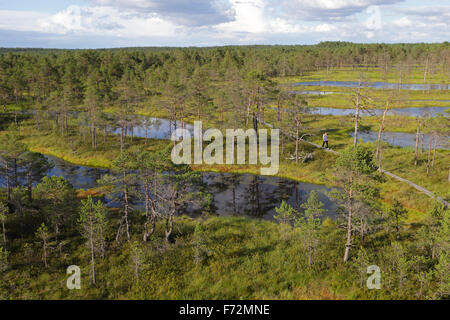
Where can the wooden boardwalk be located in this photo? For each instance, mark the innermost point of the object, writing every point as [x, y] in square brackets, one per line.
[390, 174]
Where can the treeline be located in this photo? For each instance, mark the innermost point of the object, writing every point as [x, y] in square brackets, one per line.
[36, 73]
[182, 81]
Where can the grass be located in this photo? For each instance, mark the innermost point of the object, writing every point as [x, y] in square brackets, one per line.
[74, 149]
[398, 160]
[342, 97]
[415, 75]
[237, 259]
[344, 100]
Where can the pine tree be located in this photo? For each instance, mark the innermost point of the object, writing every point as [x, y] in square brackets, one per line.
[92, 221]
[356, 174]
[3, 214]
[396, 214]
[43, 235]
[309, 224]
[57, 198]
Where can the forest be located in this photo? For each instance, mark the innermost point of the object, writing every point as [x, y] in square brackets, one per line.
[86, 176]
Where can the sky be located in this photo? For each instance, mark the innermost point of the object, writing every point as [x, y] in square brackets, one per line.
[127, 23]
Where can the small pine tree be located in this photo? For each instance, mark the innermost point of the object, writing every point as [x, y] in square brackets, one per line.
[3, 213]
[286, 217]
[286, 214]
[137, 258]
[441, 275]
[43, 235]
[397, 213]
[200, 244]
[309, 224]
[92, 221]
[3, 259]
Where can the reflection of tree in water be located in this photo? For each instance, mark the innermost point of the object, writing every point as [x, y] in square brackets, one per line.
[79, 176]
[260, 196]
[221, 183]
[288, 191]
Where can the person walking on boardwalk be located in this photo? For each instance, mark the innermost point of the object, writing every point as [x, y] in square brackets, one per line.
[325, 139]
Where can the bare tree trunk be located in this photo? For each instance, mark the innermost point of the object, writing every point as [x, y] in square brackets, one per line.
[8, 184]
[380, 131]
[94, 135]
[15, 172]
[146, 132]
[4, 232]
[169, 226]
[348, 243]
[296, 145]
[91, 236]
[29, 185]
[147, 209]
[355, 140]
[248, 114]
[425, 75]
[429, 156]
[422, 140]
[416, 154]
[121, 139]
[126, 207]
[436, 139]
[45, 252]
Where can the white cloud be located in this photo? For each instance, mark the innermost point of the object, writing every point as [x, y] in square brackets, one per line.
[329, 9]
[216, 22]
[106, 20]
[403, 22]
[251, 17]
[29, 21]
[325, 27]
[182, 12]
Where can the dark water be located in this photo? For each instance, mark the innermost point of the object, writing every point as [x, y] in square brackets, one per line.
[81, 177]
[403, 139]
[157, 128]
[254, 196]
[377, 85]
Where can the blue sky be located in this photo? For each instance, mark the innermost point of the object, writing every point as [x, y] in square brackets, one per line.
[118, 23]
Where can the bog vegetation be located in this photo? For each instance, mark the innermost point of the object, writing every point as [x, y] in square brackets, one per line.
[85, 105]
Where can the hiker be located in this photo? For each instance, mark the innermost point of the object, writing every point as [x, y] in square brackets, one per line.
[325, 139]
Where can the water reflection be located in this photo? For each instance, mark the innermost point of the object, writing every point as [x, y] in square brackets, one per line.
[258, 196]
[377, 85]
[411, 112]
[403, 139]
[232, 194]
[314, 92]
[81, 177]
[154, 128]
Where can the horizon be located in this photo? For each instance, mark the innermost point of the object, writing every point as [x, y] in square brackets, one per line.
[225, 46]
